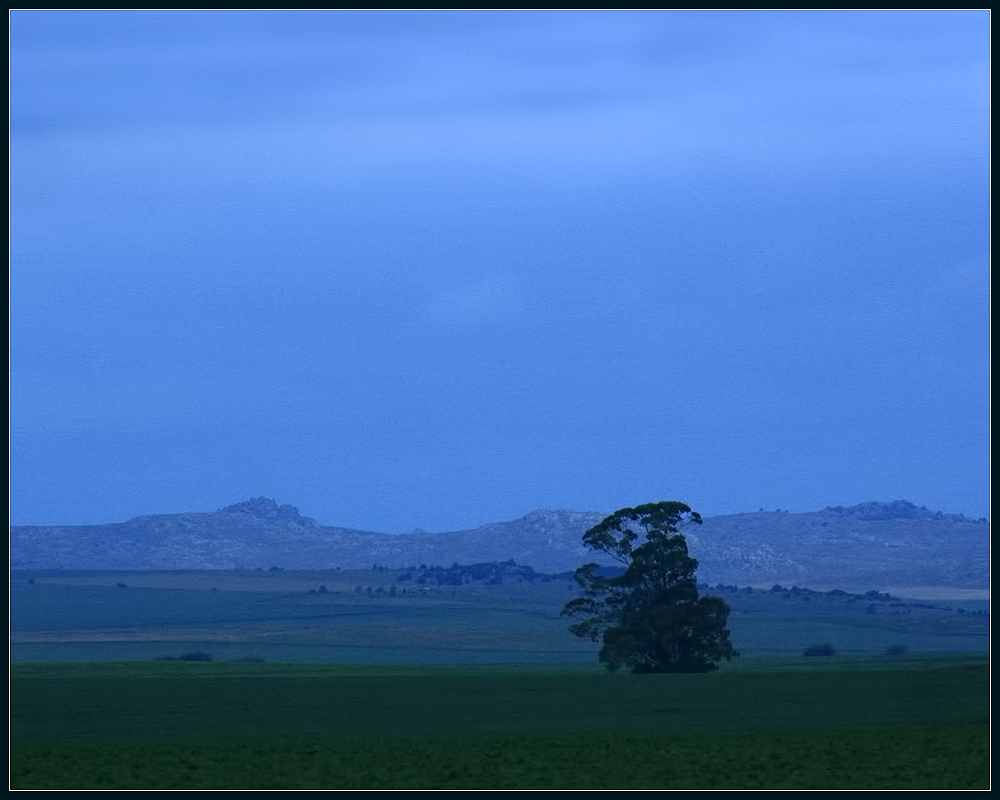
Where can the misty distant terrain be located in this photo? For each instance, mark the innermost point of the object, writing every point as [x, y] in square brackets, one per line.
[868, 546]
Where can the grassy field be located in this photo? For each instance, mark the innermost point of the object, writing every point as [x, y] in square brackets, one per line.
[104, 712]
[841, 723]
[407, 616]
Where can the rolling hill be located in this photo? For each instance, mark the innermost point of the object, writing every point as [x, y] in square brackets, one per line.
[868, 546]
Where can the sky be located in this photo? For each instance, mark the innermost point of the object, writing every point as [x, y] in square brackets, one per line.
[439, 269]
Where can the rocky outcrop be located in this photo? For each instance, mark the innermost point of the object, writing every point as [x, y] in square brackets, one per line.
[265, 508]
[869, 546]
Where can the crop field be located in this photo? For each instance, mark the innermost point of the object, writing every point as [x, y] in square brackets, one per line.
[468, 678]
[455, 616]
[866, 722]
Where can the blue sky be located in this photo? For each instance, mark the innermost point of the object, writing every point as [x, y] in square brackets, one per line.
[437, 269]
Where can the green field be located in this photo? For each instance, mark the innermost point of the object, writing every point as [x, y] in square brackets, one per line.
[920, 722]
[436, 679]
[407, 616]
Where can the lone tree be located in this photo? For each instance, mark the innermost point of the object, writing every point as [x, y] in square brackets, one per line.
[650, 617]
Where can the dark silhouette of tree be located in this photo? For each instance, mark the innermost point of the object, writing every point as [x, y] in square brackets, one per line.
[650, 617]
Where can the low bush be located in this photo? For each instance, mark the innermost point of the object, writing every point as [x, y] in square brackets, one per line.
[199, 656]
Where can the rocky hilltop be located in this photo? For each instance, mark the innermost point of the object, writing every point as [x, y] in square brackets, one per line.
[868, 546]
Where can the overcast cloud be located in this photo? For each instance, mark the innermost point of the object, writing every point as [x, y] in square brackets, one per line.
[437, 269]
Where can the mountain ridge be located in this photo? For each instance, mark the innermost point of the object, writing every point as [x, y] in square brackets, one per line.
[870, 545]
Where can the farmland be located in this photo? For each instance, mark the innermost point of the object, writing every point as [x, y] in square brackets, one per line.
[453, 616]
[467, 677]
[862, 723]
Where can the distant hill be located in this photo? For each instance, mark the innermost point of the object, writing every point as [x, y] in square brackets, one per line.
[868, 546]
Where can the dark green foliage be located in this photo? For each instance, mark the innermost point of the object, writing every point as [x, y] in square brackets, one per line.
[650, 617]
[490, 572]
[197, 656]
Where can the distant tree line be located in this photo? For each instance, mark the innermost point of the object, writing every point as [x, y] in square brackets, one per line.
[488, 572]
[196, 656]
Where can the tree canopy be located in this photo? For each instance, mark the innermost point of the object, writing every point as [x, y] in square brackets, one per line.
[650, 617]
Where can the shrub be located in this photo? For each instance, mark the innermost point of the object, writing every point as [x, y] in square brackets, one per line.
[818, 650]
[896, 650]
[199, 656]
